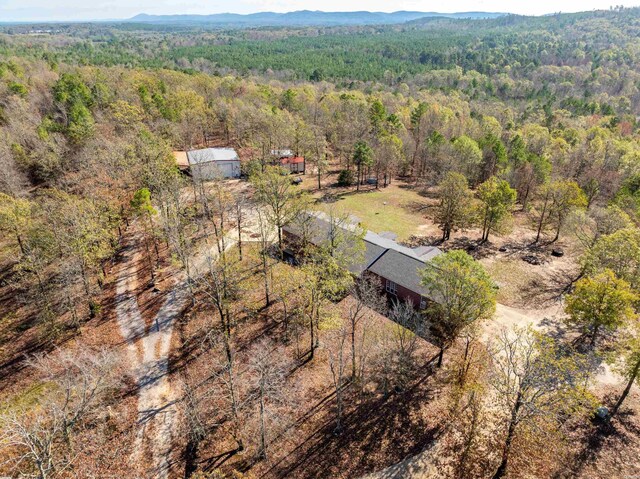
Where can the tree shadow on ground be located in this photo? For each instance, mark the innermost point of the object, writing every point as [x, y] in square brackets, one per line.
[552, 288]
[374, 434]
[335, 196]
[422, 189]
[555, 328]
[419, 207]
[599, 436]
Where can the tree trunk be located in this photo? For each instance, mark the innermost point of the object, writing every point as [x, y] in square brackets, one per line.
[526, 197]
[446, 232]
[594, 335]
[263, 435]
[265, 270]
[485, 233]
[414, 157]
[232, 394]
[285, 319]
[339, 407]
[502, 469]
[625, 393]
[240, 233]
[43, 472]
[440, 356]
[544, 210]
[462, 374]
[72, 308]
[85, 280]
[353, 351]
[155, 242]
[317, 328]
[19, 238]
[312, 337]
[557, 231]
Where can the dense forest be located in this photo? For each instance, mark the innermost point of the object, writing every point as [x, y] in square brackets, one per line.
[512, 124]
[505, 52]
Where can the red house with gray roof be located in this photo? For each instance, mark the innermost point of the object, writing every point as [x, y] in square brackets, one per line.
[396, 267]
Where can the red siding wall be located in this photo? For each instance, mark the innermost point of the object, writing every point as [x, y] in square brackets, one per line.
[402, 293]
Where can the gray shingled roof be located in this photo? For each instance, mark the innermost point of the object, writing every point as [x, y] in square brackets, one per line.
[207, 155]
[382, 256]
[422, 252]
[401, 269]
[371, 253]
[320, 233]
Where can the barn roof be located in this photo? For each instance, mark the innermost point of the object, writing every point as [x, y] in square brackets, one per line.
[207, 155]
[181, 158]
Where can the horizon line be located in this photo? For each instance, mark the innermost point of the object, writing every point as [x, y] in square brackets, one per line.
[126, 19]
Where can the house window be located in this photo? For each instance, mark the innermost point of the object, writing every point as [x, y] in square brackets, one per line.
[391, 287]
[423, 302]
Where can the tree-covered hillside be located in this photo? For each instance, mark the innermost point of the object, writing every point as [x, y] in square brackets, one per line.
[154, 324]
[585, 62]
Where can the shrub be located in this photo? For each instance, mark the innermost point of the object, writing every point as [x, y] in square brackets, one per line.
[18, 89]
[346, 178]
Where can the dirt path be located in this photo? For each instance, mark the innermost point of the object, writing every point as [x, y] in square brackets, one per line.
[549, 320]
[420, 466]
[149, 344]
[508, 317]
[156, 397]
[148, 351]
[424, 465]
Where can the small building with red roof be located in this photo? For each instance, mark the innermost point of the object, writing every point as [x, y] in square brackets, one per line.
[295, 164]
[289, 160]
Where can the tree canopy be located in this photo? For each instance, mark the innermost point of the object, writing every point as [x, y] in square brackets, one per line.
[462, 293]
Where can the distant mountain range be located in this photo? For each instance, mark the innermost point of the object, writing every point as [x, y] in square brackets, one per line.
[303, 18]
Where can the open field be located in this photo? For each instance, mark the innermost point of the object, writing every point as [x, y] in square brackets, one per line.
[396, 208]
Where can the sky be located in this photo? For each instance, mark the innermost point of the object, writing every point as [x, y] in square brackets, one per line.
[62, 10]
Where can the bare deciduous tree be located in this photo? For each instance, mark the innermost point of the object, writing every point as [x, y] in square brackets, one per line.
[40, 439]
[267, 368]
[536, 383]
[336, 349]
[395, 346]
[365, 298]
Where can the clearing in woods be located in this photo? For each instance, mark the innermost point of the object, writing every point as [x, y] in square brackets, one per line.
[396, 208]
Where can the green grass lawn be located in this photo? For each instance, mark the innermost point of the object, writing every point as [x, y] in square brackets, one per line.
[387, 209]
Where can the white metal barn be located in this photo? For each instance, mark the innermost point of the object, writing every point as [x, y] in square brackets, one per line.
[212, 163]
